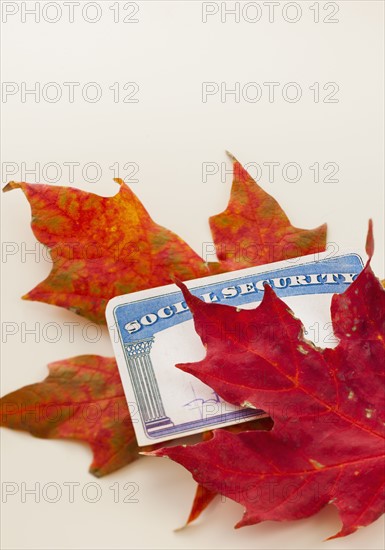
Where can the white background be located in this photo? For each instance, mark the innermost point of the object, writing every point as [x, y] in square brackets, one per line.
[169, 133]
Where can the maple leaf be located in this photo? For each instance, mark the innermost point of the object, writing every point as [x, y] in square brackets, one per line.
[82, 398]
[254, 230]
[328, 406]
[103, 247]
[203, 495]
[202, 499]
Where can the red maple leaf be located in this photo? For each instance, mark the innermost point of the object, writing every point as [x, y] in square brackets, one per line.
[81, 398]
[254, 230]
[203, 495]
[102, 247]
[327, 444]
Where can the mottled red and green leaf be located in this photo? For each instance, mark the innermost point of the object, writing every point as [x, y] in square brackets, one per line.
[81, 398]
[102, 247]
[254, 229]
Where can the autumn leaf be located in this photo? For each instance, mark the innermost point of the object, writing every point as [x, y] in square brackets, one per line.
[82, 398]
[328, 407]
[203, 495]
[103, 247]
[254, 230]
[202, 499]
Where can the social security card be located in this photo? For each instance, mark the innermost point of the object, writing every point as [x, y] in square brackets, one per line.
[153, 330]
